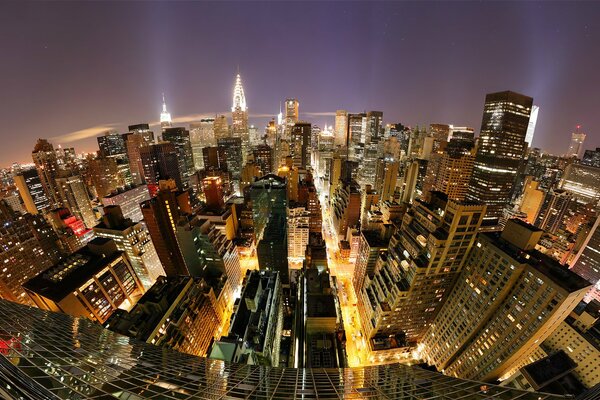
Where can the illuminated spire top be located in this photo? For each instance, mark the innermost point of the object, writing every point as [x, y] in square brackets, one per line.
[239, 100]
[280, 116]
[165, 116]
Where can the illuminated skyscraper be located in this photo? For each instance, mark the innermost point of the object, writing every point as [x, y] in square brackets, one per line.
[160, 162]
[507, 300]
[165, 116]
[46, 163]
[31, 191]
[531, 127]
[300, 148]
[180, 138]
[202, 135]
[576, 145]
[75, 196]
[587, 262]
[500, 151]
[291, 112]
[138, 136]
[27, 247]
[239, 110]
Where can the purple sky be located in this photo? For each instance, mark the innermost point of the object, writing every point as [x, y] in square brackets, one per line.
[70, 67]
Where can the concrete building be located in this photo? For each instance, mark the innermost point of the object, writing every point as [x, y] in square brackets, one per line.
[32, 191]
[92, 283]
[133, 239]
[508, 299]
[411, 283]
[255, 331]
[178, 312]
[298, 225]
[129, 200]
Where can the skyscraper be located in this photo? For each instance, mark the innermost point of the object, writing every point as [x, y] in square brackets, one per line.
[138, 136]
[165, 116]
[507, 300]
[46, 163]
[500, 152]
[161, 162]
[75, 196]
[180, 138]
[341, 127]
[576, 145]
[531, 126]
[111, 144]
[239, 111]
[291, 112]
[300, 148]
[28, 247]
[31, 191]
[202, 135]
[587, 262]
[234, 153]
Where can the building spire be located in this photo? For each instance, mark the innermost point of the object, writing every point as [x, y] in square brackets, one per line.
[239, 99]
[165, 116]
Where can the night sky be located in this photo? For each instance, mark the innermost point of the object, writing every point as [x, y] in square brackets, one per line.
[74, 70]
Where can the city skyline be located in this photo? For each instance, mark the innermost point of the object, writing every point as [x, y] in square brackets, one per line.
[439, 74]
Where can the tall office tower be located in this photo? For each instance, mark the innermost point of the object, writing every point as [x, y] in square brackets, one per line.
[507, 300]
[215, 158]
[239, 111]
[138, 136]
[291, 113]
[386, 178]
[133, 239]
[357, 126]
[591, 158]
[270, 137]
[212, 187]
[298, 227]
[71, 231]
[583, 181]
[250, 172]
[531, 126]
[92, 283]
[31, 191]
[129, 200]
[413, 178]
[410, 284]
[341, 127]
[165, 116]
[313, 205]
[345, 206]
[14, 202]
[455, 168]
[105, 176]
[160, 162]
[263, 158]
[372, 245]
[234, 153]
[210, 255]
[180, 138]
[300, 148]
[111, 144]
[75, 196]
[161, 214]
[335, 175]
[221, 126]
[532, 200]
[202, 135]
[374, 128]
[553, 210]
[269, 199]
[46, 163]
[587, 261]
[255, 331]
[179, 312]
[576, 145]
[27, 247]
[500, 151]
[368, 164]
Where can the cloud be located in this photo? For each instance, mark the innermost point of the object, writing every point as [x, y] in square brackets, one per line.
[83, 133]
[319, 114]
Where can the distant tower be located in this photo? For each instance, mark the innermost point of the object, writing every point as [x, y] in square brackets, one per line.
[239, 110]
[531, 127]
[576, 146]
[165, 116]
[291, 112]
